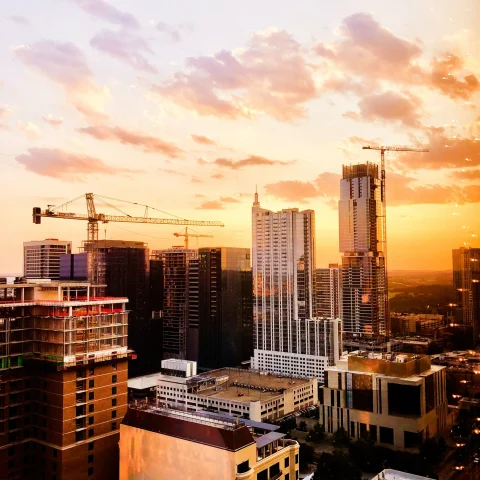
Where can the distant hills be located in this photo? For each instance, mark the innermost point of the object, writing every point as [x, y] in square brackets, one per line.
[399, 279]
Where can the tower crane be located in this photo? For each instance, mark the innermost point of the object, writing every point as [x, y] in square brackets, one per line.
[186, 235]
[382, 150]
[93, 218]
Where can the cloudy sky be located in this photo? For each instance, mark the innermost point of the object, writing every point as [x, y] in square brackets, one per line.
[187, 105]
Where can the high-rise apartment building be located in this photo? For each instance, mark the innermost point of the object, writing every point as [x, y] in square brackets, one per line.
[41, 259]
[466, 284]
[224, 307]
[179, 266]
[328, 291]
[63, 381]
[362, 241]
[287, 337]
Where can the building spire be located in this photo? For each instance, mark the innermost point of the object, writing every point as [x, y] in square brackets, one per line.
[256, 203]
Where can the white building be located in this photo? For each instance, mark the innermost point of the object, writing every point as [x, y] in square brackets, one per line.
[287, 337]
[400, 399]
[328, 291]
[41, 259]
[257, 396]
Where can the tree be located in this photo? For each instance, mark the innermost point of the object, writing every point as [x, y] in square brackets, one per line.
[341, 438]
[362, 452]
[316, 434]
[287, 425]
[302, 426]
[306, 455]
[336, 467]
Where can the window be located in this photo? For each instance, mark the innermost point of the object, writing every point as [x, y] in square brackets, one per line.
[114, 414]
[243, 467]
[54, 465]
[287, 462]
[91, 395]
[114, 379]
[90, 420]
[114, 365]
[90, 446]
[90, 432]
[296, 459]
[386, 435]
[91, 383]
[55, 452]
[274, 469]
[114, 425]
[114, 402]
[90, 471]
[90, 458]
[91, 371]
[90, 408]
[287, 476]
[263, 475]
[114, 390]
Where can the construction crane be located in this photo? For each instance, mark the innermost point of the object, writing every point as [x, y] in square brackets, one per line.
[186, 235]
[93, 218]
[382, 150]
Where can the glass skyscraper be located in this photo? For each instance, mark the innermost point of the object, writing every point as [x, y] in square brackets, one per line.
[363, 243]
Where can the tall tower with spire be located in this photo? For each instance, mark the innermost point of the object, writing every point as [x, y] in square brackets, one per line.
[286, 337]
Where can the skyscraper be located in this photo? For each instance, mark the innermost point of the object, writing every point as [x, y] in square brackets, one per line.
[179, 264]
[362, 241]
[328, 291]
[63, 381]
[466, 284]
[41, 259]
[225, 307]
[287, 337]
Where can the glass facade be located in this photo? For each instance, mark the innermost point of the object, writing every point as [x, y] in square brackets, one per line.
[328, 291]
[466, 284]
[225, 314]
[363, 243]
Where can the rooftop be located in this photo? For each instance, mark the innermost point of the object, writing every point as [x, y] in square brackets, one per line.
[247, 386]
[146, 381]
[390, 474]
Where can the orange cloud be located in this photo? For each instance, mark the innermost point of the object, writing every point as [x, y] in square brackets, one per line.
[251, 161]
[270, 75]
[127, 137]
[56, 163]
[292, 190]
[64, 64]
[211, 205]
[29, 129]
[401, 190]
[389, 106]
[445, 151]
[202, 140]
[472, 174]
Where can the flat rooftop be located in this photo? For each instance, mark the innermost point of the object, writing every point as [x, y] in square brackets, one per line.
[247, 386]
[390, 474]
[146, 381]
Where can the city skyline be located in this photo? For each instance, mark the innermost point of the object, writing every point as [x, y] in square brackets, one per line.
[149, 103]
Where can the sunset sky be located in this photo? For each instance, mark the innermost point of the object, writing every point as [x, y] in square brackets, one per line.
[187, 105]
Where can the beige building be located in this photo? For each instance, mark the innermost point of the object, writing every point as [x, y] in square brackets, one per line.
[258, 396]
[400, 399]
[159, 443]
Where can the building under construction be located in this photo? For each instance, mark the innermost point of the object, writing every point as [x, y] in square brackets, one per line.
[63, 380]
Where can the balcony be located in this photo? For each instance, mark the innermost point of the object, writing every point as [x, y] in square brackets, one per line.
[81, 398]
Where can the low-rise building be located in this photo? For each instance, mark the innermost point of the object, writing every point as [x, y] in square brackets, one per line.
[158, 442]
[400, 399]
[249, 394]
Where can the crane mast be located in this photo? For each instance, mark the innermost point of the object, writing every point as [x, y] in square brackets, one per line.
[93, 218]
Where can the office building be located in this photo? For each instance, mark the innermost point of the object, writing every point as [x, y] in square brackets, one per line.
[328, 291]
[362, 242]
[466, 284]
[63, 385]
[41, 259]
[157, 442]
[400, 399]
[225, 311]
[287, 337]
[258, 396]
[123, 271]
[180, 266]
